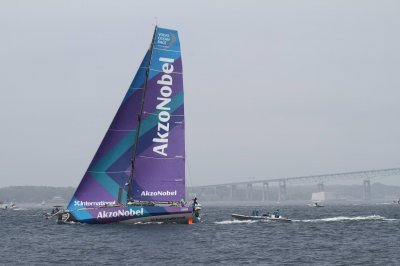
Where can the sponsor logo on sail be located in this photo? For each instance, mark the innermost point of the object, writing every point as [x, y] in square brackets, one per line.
[120, 213]
[81, 203]
[158, 193]
[163, 108]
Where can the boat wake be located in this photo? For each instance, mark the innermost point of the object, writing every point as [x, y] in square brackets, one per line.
[348, 218]
[236, 222]
[330, 219]
[144, 223]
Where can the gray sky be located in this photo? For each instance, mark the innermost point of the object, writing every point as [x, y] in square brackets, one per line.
[272, 88]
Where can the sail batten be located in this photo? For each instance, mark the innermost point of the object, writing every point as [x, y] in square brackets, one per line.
[159, 71]
[168, 50]
[122, 130]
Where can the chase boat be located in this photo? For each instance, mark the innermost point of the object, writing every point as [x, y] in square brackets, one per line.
[265, 217]
[316, 204]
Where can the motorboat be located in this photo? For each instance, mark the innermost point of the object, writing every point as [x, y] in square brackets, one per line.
[10, 205]
[315, 204]
[264, 217]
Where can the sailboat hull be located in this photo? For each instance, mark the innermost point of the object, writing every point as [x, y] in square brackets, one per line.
[127, 214]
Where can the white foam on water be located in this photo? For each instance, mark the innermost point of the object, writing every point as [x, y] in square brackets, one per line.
[236, 222]
[148, 222]
[348, 218]
[387, 203]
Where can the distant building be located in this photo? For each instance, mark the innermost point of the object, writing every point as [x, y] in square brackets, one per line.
[320, 196]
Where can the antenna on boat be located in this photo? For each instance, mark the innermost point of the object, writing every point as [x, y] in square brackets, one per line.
[156, 21]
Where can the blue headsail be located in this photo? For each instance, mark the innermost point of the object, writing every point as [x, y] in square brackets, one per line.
[111, 166]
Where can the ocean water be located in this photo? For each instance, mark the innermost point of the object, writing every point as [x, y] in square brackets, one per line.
[333, 235]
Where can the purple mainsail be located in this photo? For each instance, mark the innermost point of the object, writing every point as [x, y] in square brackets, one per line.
[159, 169]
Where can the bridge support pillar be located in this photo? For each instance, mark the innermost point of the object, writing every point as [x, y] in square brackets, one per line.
[232, 191]
[265, 195]
[202, 192]
[282, 190]
[249, 192]
[367, 189]
[321, 187]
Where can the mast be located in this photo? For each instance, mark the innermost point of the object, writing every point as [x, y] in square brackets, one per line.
[129, 183]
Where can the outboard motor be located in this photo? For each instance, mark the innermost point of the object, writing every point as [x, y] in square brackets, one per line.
[196, 211]
[65, 217]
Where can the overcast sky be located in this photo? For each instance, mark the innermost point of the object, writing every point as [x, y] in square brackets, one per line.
[272, 88]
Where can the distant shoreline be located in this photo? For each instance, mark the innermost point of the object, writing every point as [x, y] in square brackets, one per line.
[346, 193]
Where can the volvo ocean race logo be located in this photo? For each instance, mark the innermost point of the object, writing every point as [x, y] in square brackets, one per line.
[81, 203]
[165, 40]
[163, 107]
[158, 193]
[119, 213]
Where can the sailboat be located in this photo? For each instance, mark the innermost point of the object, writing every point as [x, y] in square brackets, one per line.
[138, 172]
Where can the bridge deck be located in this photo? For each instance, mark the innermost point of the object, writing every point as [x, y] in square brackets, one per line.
[368, 174]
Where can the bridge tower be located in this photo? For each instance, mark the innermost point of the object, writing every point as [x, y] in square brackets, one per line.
[249, 192]
[265, 195]
[232, 191]
[282, 190]
[367, 189]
